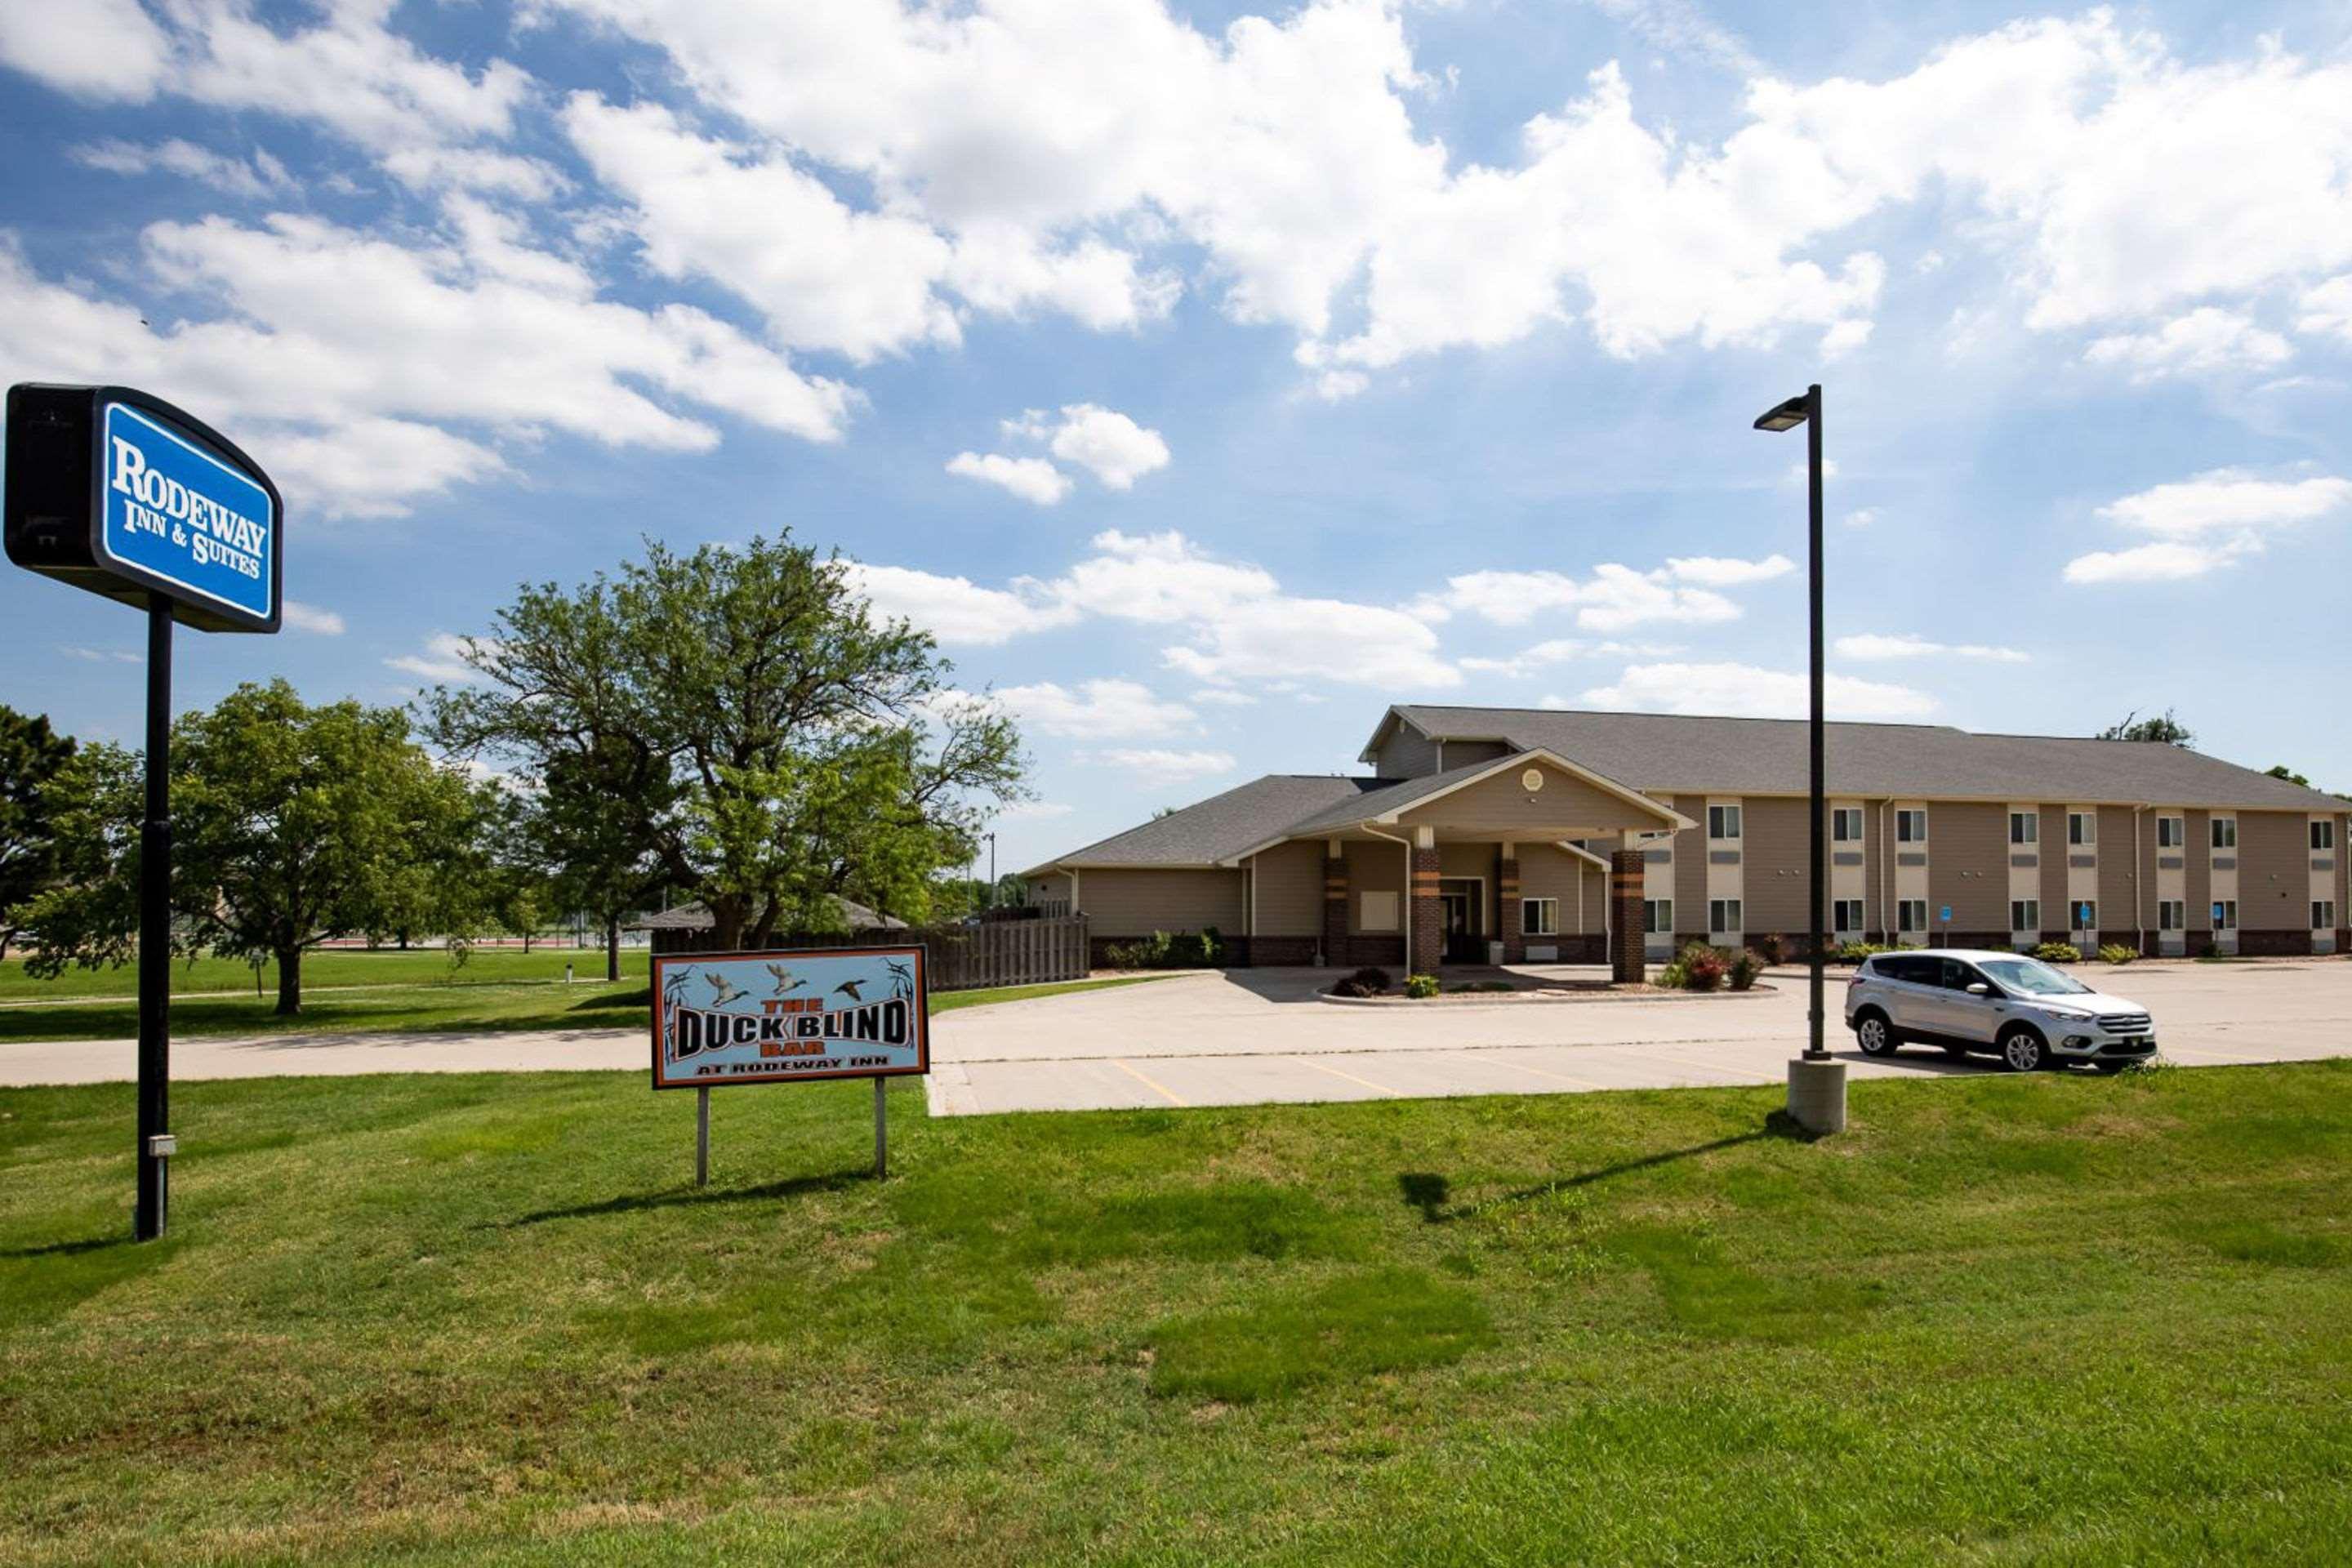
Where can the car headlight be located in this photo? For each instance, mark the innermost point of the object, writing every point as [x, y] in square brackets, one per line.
[2071, 1015]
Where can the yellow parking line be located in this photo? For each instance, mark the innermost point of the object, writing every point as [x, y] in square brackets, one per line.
[1154, 1086]
[1545, 1072]
[1351, 1077]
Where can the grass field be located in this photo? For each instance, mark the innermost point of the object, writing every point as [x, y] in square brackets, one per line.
[352, 992]
[485, 1320]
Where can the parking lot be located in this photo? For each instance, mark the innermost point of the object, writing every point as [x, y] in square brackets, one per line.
[1262, 1037]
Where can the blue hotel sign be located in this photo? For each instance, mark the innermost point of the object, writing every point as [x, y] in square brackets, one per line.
[123, 494]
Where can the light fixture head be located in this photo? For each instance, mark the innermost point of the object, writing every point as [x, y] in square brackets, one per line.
[1787, 416]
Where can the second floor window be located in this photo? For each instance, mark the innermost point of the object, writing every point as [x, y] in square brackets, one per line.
[1723, 822]
[2082, 827]
[2024, 827]
[1911, 827]
[2169, 833]
[1845, 824]
[2323, 834]
[2225, 833]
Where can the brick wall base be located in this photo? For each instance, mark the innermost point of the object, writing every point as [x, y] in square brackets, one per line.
[1369, 952]
[1428, 915]
[1627, 965]
[1267, 951]
[1514, 937]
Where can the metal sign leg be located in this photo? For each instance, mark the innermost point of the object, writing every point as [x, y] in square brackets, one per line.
[701, 1137]
[155, 934]
[881, 1130]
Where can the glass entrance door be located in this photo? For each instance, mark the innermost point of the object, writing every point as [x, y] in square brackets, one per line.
[1465, 933]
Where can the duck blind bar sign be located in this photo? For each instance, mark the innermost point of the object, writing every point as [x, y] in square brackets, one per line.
[781, 1017]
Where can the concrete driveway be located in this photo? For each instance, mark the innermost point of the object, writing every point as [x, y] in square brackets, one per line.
[1257, 1036]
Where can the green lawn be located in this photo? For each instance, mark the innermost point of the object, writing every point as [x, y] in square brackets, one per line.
[345, 992]
[485, 1320]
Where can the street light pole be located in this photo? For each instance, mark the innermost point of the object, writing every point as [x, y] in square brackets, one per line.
[1816, 1081]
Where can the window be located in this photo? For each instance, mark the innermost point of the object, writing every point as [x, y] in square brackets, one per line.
[1846, 915]
[1911, 916]
[1723, 822]
[2171, 832]
[2025, 914]
[1658, 915]
[1723, 916]
[1911, 827]
[2323, 914]
[2323, 834]
[1377, 911]
[1845, 824]
[1539, 917]
[2087, 914]
[2082, 827]
[2225, 914]
[2024, 827]
[2172, 914]
[2225, 833]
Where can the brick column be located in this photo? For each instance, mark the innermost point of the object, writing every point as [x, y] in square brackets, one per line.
[1335, 908]
[1625, 888]
[1428, 917]
[1515, 941]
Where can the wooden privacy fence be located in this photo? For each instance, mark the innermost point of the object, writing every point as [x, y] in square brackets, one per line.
[959, 958]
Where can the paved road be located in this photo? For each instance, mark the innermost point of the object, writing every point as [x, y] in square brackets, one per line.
[1261, 1036]
[1254, 1037]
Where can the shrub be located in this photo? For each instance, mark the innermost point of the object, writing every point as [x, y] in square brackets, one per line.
[1855, 951]
[1743, 971]
[2059, 953]
[2116, 952]
[1698, 967]
[1351, 987]
[1768, 951]
[1377, 980]
[1163, 950]
[1420, 987]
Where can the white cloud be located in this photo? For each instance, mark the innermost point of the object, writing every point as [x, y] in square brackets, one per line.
[91, 48]
[1115, 708]
[424, 167]
[954, 610]
[1154, 767]
[2205, 340]
[1862, 517]
[2149, 564]
[1614, 599]
[1801, 472]
[1326, 639]
[1744, 690]
[1157, 578]
[254, 178]
[1223, 697]
[311, 618]
[1031, 479]
[371, 467]
[1104, 442]
[1720, 571]
[1874, 646]
[1035, 811]
[101, 655]
[2327, 309]
[442, 660]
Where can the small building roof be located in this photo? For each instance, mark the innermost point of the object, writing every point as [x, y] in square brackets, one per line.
[1221, 826]
[696, 916]
[1677, 752]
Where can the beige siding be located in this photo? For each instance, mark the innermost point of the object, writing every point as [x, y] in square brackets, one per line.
[2198, 829]
[2118, 888]
[1407, 754]
[2273, 871]
[1546, 872]
[2057, 913]
[1690, 867]
[1375, 865]
[1974, 839]
[1500, 805]
[1137, 904]
[1461, 753]
[1053, 889]
[1774, 853]
[1290, 890]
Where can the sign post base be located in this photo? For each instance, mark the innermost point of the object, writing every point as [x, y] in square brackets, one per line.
[881, 1130]
[701, 1137]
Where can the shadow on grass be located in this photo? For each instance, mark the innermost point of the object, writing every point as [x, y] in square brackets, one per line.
[66, 1248]
[1432, 1194]
[792, 1187]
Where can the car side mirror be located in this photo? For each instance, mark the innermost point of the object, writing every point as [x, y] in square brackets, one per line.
[1979, 989]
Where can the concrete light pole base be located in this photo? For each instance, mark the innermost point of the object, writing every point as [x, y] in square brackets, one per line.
[1817, 1093]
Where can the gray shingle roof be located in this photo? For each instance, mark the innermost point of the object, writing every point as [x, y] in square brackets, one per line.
[1768, 756]
[696, 916]
[1222, 825]
[1385, 795]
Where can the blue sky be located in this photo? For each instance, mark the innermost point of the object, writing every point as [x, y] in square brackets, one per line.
[1209, 376]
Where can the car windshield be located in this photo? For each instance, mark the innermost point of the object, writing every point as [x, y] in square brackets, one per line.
[2032, 977]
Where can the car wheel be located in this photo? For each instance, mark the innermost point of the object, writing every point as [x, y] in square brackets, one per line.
[2022, 1050]
[1874, 1036]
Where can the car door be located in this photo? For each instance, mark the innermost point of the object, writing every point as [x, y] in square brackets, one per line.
[1910, 991]
[1965, 1016]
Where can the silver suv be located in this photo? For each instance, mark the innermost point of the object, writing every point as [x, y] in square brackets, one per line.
[2029, 1014]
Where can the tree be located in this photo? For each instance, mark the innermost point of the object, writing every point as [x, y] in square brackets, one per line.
[602, 860]
[292, 824]
[2283, 771]
[761, 741]
[30, 757]
[2166, 728]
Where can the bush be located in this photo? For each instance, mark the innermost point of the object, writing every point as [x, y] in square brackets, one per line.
[1352, 988]
[2059, 953]
[1377, 980]
[1163, 950]
[1420, 987]
[1855, 951]
[1743, 971]
[1698, 967]
[2116, 952]
[1769, 950]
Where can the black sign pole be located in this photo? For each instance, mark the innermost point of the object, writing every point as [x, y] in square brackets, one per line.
[155, 932]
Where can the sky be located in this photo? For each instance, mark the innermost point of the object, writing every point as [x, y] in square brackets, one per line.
[1207, 377]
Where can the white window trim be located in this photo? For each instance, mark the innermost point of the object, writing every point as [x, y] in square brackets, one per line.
[1904, 817]
[2172, 914]
[1903, 909]
[1726, 905]
[1548, 912]
[2326, 907]
[2175, 828]
[2025, 907]
[1650, 906]
[2214, 832]
[1839, 817]
[1729, 814]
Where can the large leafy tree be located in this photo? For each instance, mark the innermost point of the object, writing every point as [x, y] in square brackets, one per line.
[292, 824]
[602, 860]
[31, 754]
[761, 743]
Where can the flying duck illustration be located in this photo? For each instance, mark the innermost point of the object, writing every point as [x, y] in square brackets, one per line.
[850, 988]
[786, 981]
[722, 990]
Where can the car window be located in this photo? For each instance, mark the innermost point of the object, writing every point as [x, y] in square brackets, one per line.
[1900, 968]
[2035, 978]
[1958, 977]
